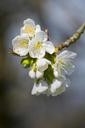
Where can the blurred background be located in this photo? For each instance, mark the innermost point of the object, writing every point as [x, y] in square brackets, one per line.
[18, 108]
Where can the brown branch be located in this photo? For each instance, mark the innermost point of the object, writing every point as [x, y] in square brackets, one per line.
[72, 39]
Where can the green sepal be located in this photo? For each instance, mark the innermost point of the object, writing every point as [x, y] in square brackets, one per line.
[27, 62]
[49, 75]
[37, 80]
[51, 57]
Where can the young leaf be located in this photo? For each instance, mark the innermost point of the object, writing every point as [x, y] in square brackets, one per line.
[49, 75]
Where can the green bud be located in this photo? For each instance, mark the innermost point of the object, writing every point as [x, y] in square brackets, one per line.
[28, 61]
[25, 62]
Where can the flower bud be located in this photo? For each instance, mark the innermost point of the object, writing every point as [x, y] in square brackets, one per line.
[39, 74]
[32, 74]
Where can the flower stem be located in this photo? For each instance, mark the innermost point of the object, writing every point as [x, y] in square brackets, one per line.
[72, 39]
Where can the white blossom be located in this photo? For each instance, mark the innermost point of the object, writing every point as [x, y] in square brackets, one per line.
[39, 88]
[39, 45]
[63, 64]
[30, 28]
[33, 44]
[20, 45]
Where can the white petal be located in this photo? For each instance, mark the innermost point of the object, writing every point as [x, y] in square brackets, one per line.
[57, 88]
[32, 74]
[64, 62]
[34, 90]
[56, 74]
[55, 85]
[41, 36]
[67, 83]
[49, 47]
[39, 74]
[29, 22]
[34, 51]
[24, 36]
[37, 53]
[39, 88]
[59, 91]
[68, 68]
[28, 29]
[42, 64]
[20, 45]
[67, 55]
[38, 29]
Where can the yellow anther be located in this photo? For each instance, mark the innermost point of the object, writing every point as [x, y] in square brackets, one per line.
[23, 43]
[37, 45]
[56, 50]
[28, 29]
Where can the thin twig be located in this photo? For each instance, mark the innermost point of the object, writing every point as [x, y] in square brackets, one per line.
[72, 39]
[12, 53]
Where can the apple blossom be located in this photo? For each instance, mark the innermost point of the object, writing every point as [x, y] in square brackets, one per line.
[30, 28]
[39, 45]
[46, 64]
[20, 45]
[63, 64]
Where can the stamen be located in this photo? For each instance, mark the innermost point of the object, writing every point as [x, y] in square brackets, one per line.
[37, 45]
[29, 29]
[23, 43]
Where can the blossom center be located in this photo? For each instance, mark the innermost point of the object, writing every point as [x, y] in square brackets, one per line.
[23, 43]
[29, 29]
[37, 45]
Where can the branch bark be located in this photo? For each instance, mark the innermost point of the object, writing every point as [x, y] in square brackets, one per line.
[72, 39]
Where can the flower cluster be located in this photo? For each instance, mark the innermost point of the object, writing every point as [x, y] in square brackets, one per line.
[47, 68]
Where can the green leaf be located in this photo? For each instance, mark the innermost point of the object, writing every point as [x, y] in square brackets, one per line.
[49, 75]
